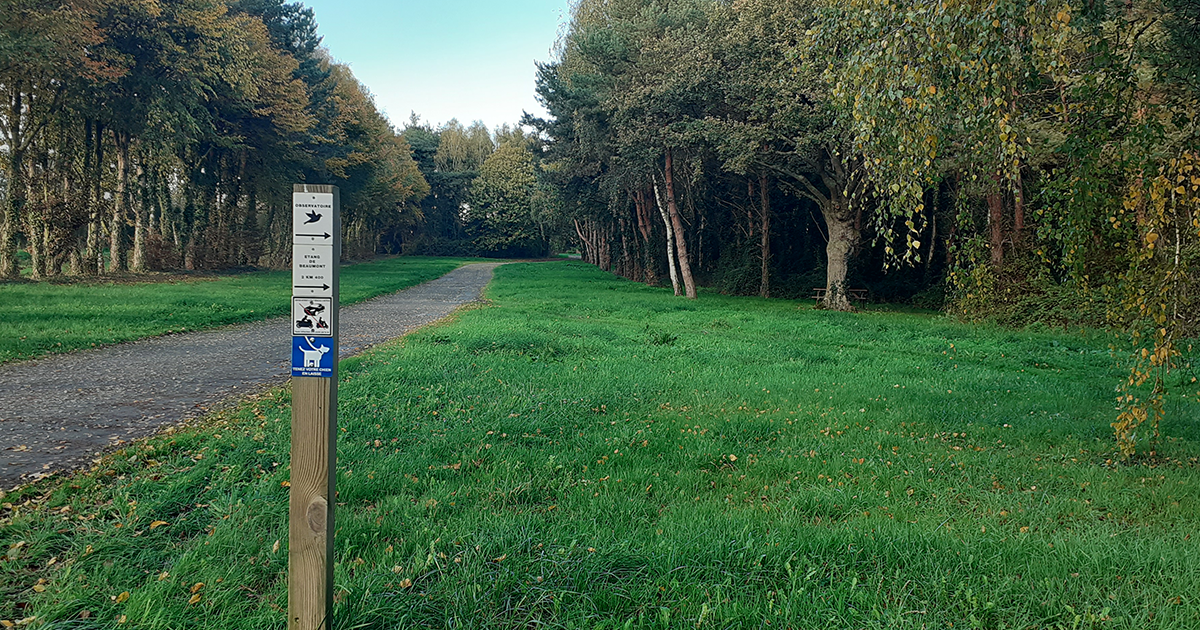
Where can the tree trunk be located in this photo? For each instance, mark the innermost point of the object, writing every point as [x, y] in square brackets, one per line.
[251, 241]
[995, 202]
[662, 211]
[932, 244]
[589, 250]
[10, 265]
[685, 269]
[116, 254]
[1019, 211]
[645, 227]
[627, 267]
[140, 222]
[764, 289]
[93, 258]
[843, 241]
[37, 237]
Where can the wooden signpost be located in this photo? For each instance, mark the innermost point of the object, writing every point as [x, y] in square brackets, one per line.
[316, 250]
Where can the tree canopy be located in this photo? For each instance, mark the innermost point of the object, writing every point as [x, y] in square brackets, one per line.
[154, 135]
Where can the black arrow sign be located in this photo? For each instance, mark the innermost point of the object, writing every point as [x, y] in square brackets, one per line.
[325, 235]
[324, 287]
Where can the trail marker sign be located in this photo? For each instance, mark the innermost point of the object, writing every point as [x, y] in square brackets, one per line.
[316, 250]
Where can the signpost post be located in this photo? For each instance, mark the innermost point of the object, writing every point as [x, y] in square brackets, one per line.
[316, 250]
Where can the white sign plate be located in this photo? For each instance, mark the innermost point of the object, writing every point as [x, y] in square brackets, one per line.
[312, 218]
[311, 316]
[312, 270]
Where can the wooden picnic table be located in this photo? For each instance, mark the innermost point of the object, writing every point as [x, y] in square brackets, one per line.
[856, 295]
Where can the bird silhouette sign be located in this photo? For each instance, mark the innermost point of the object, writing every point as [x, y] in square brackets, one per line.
[312, 222]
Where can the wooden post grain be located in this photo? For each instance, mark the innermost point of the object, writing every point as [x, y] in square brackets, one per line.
[312, 494]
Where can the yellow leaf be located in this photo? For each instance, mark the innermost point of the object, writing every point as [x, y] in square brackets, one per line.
[122, 619]
[500, 559]
[194, 599]
[158, 524]
[285, 484]
[123, 597]
[6, 623]
[275, 547]
[197, 586]
[38, 588]
[933, 89]
[405, 583]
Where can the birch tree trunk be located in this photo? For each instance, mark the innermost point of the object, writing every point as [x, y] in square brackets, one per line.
[685, 269]
[662, 211]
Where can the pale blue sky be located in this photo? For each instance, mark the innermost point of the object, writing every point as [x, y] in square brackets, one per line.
[465, 59]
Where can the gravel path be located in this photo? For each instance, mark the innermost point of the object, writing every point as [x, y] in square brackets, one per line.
[59, 412]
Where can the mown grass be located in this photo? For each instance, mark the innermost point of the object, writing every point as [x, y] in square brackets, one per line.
[590, 453]
[44, 318]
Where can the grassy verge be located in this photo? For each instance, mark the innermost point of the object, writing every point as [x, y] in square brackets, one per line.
[44, 318]
[587, 452]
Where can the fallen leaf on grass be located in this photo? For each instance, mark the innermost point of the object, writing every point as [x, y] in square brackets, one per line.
[197, 586]
[122, 598]
[194, 599]
[157, 524]
[500, 559]
[405, 583]
[285, 484]
[275, 547]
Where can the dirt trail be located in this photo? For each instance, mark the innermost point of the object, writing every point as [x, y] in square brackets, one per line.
[59, 412]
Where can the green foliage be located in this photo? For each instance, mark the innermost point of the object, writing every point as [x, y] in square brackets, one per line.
[1026, 290]
[500, 218]
[537, 462]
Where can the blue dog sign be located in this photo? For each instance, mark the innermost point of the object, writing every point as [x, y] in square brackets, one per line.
[312, 356]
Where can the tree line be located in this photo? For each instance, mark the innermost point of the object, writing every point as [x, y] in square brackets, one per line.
[487, 197]
[1019, 160]
[160, 134]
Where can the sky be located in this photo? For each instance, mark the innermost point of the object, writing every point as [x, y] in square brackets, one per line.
[465, 59]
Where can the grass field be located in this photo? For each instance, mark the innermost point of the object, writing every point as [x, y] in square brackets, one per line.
[587, 452]
[43, 318]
